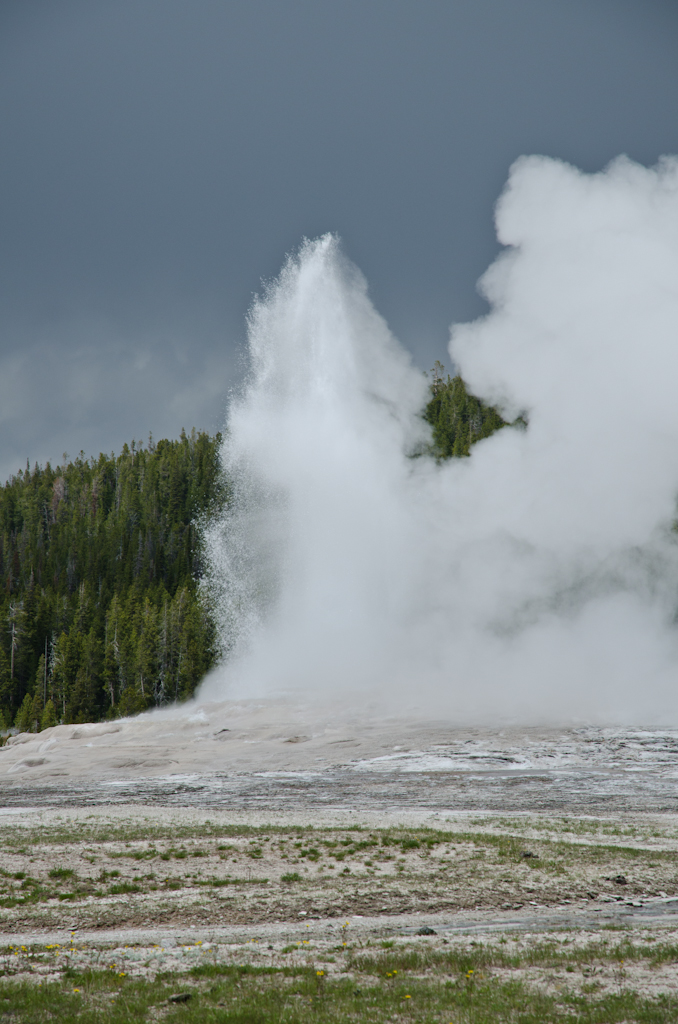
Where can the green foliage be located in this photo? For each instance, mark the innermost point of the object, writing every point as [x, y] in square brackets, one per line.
[61, 873]
[99, 611]
[458, 418]
[24, 714]
[48, 716]
[248, 994]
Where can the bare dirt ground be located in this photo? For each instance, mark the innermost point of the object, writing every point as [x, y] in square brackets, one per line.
[258, 831]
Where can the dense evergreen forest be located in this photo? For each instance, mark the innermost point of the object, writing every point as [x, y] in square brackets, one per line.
[101, 613]
[458, 419]
[100, 561]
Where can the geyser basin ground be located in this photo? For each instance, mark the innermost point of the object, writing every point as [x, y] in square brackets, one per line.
[150, 857]
[277, 757]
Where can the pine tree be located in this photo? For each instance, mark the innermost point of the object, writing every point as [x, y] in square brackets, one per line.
[5, 682]
[38, 704]
[49, 717]
[36, 712]
[24, 716]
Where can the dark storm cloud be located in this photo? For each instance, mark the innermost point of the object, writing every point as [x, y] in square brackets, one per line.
[159, 158]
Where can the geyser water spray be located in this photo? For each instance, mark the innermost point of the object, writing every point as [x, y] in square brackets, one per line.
[535, 581]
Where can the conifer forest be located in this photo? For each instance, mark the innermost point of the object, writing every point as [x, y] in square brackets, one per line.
[101, 613]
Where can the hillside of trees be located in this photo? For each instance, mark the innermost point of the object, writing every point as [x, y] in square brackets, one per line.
[99, 561]
[100, 609]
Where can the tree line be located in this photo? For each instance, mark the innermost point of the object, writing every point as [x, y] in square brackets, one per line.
[100, 562]
[101, 613]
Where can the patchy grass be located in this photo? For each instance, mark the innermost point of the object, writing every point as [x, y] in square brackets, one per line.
[478, 956]
[242, 874]
[245, 994]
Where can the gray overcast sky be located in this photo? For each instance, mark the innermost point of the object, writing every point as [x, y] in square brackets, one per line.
[159, 157]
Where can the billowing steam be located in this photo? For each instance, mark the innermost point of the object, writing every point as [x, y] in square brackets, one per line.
[536, 580]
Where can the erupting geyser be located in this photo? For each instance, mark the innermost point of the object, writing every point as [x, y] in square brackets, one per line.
[538, 579]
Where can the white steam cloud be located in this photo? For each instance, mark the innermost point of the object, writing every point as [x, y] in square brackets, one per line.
[535, 581]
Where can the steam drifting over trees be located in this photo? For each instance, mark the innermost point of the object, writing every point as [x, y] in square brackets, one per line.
[100, 561]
